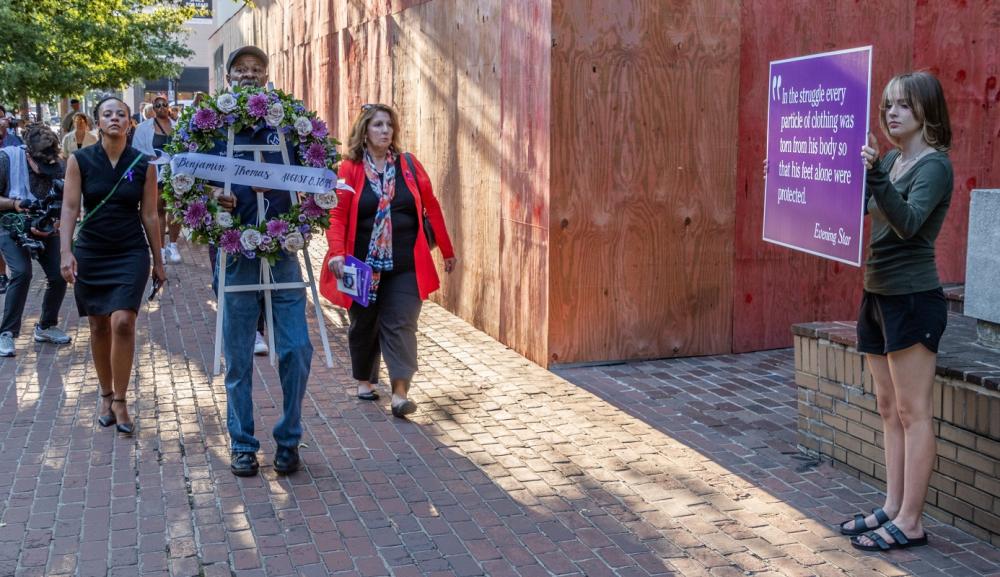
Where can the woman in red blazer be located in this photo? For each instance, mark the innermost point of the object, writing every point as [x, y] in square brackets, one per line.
[382, 224]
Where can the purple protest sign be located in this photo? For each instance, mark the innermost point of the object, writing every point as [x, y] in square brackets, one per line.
[817, 122]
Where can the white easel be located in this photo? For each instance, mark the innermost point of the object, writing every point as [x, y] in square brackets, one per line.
[267, 283]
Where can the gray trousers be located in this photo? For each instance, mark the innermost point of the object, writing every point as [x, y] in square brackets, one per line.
[388, 325]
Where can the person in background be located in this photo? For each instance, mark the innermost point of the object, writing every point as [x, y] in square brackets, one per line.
[68, 120]
[150, 138]
[81, 135]
[7, 135]
[110, 262]
[7, 138]
[382, 223]
[903, 310]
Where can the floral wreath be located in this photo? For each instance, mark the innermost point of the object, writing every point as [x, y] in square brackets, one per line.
[190, 200]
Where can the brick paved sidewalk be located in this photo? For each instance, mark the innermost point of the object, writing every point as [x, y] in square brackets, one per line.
[684, 467]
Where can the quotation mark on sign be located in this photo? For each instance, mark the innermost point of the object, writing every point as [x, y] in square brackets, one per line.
[776, 87]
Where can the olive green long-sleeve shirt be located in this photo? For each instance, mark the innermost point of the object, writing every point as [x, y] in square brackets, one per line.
[906, 218]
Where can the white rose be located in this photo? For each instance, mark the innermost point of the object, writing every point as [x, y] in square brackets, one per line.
[250, 239]
[182, 183]
[224, 219]
[293, 242]
[226, 102]
[326, 200]
[275, 114]
[303, 126]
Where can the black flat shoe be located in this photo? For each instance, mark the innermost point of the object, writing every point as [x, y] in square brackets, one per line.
[126, 428]
[244, 464]
[369, 396]
[107, 420]
[286, 460]
[407, 407]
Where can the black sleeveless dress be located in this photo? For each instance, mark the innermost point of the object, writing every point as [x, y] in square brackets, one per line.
[112, 254]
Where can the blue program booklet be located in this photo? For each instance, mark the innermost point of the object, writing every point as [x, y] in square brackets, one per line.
[356, 282]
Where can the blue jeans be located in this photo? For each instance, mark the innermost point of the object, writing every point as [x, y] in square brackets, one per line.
[291, 341]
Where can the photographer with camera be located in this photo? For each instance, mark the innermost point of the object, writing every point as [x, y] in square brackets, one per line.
[30, 202]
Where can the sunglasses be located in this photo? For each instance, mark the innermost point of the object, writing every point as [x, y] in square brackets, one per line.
[160, 105]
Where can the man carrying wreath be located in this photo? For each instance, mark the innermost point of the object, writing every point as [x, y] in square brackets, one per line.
[247, 67]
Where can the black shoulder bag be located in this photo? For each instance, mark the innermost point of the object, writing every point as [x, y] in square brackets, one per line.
[428, 230]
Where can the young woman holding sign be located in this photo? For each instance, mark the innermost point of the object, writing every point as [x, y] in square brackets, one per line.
[903, 309]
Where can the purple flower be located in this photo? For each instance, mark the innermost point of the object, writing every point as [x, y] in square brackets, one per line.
[229, 118]
[302, 218]
[192, 146]
[207, 220]
[312, 210]
[257, 105]
[182, 134]
[205, 119]
[129, 174]
[196, 214]
[230, 241]
[316, 155]
[304, 229]
[250, 254]
[276, 227]
[319, 128]
[265, 240]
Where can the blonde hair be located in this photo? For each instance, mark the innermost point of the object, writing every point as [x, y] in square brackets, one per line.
[359, 130]
[922, 92]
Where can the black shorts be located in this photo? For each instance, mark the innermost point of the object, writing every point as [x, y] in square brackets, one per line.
[888, 323]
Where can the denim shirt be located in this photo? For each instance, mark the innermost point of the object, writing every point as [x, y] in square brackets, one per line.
[276, 201]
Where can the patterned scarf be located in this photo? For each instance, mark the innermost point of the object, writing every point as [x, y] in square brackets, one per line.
[380, 247]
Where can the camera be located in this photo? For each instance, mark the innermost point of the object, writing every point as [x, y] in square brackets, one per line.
[39, 214]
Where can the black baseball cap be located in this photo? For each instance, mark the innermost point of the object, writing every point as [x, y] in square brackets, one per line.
[253, 50]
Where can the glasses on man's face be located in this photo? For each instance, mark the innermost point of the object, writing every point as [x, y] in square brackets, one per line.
[160, 105]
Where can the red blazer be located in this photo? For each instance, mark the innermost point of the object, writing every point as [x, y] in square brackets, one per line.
[344, 225]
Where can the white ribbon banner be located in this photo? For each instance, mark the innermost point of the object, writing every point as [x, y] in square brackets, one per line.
[257, 174]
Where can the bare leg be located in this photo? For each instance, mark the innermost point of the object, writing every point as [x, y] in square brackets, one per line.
[122, 351]
[893, 433]
[913, 372]
[100, 348]
[173, 231]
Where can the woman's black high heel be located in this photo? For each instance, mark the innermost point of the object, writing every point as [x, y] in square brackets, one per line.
[126, 428]
[107, 420]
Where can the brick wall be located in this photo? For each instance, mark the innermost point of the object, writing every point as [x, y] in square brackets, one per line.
[838, 418]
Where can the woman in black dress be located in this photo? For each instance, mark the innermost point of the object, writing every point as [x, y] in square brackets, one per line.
[109, 263]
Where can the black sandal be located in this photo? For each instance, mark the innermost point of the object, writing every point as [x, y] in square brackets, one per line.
[126, 428]
[860, 527]
[107, 420]
[900, 540]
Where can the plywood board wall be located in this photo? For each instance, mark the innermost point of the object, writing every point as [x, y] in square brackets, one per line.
[644, 99]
